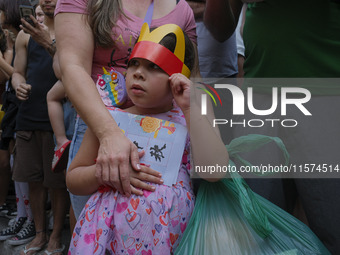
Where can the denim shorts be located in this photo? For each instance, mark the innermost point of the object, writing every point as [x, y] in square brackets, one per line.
[78, 202]
[70, 116]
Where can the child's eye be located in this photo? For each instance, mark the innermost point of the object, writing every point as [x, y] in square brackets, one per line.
[154, 66]
[133, 62]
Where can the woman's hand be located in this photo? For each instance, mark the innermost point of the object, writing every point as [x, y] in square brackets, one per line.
[118, 166]
[122, 170]
[116, 155]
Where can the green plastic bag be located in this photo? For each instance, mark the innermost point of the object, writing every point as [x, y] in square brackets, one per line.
[229, 218]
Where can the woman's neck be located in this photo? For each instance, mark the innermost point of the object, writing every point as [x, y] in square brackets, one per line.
[140, 7]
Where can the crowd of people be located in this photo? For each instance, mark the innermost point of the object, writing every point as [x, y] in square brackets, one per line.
[78, 73]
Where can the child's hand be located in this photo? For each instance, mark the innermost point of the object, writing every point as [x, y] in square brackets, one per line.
[180, 86]
[138, 180]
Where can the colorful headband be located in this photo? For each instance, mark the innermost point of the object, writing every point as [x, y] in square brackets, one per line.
[148, 47]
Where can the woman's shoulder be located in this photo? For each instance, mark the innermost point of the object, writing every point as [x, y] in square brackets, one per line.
[181, 13]
[183, 16]
[73, 6]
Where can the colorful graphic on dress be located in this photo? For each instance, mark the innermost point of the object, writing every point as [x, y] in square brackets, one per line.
[111, 87]
[162, 140]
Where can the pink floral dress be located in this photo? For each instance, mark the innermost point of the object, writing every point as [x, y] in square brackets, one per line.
[150, 224]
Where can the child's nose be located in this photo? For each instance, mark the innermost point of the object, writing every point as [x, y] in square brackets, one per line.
[139, 73]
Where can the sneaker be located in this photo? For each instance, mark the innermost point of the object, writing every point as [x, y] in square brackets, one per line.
[26, 234]
[8, 210]
[11, 222]
[13, 229]
[12, 213]
[4, 209]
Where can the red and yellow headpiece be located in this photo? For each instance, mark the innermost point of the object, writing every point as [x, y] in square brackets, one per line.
[148, 47]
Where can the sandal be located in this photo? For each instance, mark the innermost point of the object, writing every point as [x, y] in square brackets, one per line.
[36, 249]
[60, 158]
[59, 250]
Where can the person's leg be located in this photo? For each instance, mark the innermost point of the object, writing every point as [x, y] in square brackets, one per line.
[20, 201]
[60, 204]
[38, 199]
[55, 182]
[25, 200]
[21, 217]
[56, 112]
[38, 195]
[5, 175]
[28, 168]
[27, 231]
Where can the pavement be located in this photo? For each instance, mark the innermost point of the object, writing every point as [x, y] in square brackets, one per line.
[6, 249]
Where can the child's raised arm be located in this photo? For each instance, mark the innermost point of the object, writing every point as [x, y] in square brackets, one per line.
[207, 146]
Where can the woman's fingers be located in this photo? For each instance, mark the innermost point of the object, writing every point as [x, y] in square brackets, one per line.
[124, 176]
[134, 156]
[98, 174]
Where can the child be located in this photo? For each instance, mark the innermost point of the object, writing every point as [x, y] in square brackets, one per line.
[154, 222]
[62, 117]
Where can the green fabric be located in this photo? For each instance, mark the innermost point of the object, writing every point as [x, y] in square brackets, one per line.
[229, 218]
[297, 39]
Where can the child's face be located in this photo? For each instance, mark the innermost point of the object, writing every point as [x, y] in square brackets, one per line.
[148, 86]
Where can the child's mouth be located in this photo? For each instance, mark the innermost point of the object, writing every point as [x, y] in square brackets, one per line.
[137, 89]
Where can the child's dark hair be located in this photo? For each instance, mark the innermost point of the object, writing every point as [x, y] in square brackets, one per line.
[169, 42]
